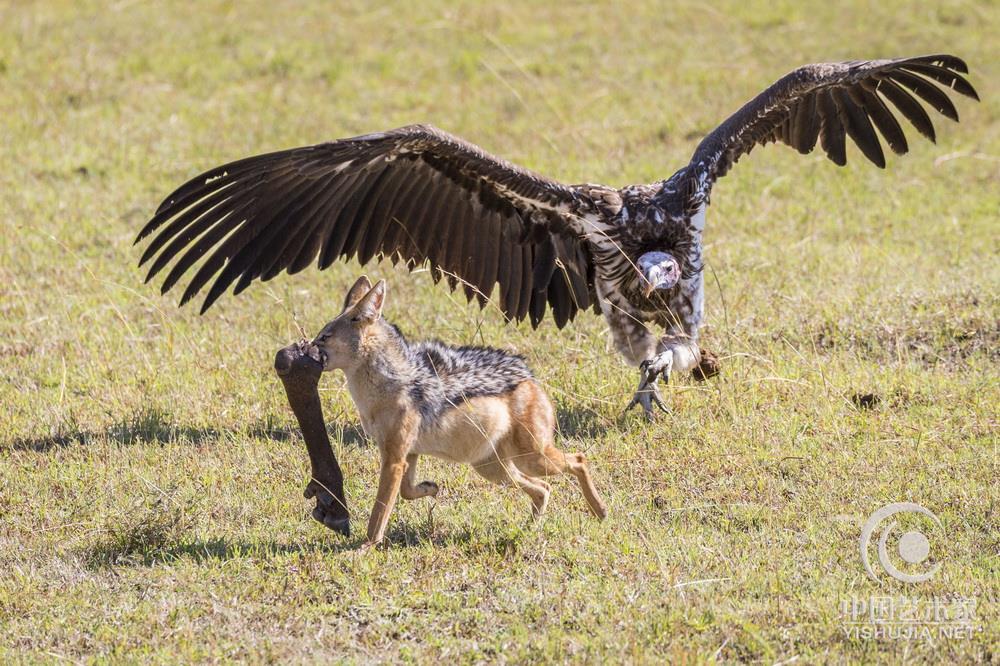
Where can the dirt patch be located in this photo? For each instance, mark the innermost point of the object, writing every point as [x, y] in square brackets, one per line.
[866, 400]
[930, 343]
[17, 349]
[945, 332]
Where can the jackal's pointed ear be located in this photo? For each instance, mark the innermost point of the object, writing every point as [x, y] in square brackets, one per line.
[369, 308]
[361, 287]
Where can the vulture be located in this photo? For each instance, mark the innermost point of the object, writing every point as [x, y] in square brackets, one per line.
[515, 238]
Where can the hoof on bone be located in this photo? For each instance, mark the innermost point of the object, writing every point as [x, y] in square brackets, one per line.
[328, 510]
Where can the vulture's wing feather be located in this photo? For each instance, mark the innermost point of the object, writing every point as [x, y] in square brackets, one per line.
[414, 193]
[830, 102]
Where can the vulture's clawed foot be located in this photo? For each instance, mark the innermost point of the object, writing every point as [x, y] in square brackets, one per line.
[648, 393]
[329, 510]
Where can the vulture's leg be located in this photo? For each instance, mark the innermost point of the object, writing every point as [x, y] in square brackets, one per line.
[299, 368]
[638, 345]
[676, 351]
[673, 353]
[648, 392]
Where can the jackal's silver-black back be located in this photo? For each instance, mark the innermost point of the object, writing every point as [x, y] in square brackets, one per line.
[441, 376]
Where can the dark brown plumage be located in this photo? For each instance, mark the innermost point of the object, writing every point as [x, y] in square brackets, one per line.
[831, 101]
[508, 234]
[415, 193]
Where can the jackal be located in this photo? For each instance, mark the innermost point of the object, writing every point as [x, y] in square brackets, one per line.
[471, 405]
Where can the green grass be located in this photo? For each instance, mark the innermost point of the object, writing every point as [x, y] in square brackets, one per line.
[151, 471]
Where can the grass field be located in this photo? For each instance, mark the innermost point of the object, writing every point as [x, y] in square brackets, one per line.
[150, 469]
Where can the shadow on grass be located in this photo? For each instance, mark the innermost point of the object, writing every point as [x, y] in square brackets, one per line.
[111, 554]
[157, 427]
[209, 550]
[224, 549]
[154, 545]
[574, 421]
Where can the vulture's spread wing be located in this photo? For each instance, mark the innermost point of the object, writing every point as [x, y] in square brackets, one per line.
[829, 102]
[415, 193]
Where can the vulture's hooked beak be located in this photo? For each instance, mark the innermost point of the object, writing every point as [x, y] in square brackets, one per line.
[657, 270]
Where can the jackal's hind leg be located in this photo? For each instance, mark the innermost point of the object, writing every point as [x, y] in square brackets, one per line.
[552, 461]
[410, 491]
[505, 472]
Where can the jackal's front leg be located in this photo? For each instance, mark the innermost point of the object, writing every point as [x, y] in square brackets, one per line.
[395, 450]
[390, 478]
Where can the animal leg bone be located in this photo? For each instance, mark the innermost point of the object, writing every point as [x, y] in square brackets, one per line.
[299, 368]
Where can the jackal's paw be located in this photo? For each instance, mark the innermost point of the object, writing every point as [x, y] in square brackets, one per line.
[329, 509]
[428, 489]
